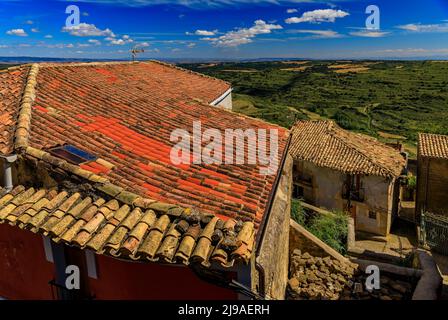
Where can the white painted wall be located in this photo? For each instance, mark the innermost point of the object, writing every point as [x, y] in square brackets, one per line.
[224, 101]
[327, 193]
[227, 102]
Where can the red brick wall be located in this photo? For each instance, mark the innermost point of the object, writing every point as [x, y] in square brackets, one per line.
[24, 270]
[127, 280]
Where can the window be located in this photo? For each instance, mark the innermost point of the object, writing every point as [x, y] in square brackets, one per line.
[298, 192]
[372, 215]
[72, 154]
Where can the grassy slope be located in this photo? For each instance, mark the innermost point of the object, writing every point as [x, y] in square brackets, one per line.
[391, 98]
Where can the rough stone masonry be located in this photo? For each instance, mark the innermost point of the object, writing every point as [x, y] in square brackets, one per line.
[318, 278]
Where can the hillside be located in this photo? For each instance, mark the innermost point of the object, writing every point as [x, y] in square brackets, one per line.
[391, 100]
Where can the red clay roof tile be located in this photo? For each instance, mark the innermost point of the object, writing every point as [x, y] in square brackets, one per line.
[128, 120]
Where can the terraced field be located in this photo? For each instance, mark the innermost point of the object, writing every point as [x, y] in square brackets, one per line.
[391, 100]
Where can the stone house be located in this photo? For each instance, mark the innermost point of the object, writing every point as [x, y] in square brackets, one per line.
[340, 170]
[432, 174]
[88, 181]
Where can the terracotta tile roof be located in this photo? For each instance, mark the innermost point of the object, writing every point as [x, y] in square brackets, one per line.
[124, 113]
[327, 145]
[158, 233]
[433, 145]
[12, 82]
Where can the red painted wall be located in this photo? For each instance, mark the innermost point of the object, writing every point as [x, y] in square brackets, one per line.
[141, 281]
[24, 270]
[25, 273]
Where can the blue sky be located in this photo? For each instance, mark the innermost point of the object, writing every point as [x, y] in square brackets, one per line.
[225, 29]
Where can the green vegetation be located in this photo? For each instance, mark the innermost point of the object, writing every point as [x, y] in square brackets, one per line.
[412, 182]
[331, 229]
[391, 100]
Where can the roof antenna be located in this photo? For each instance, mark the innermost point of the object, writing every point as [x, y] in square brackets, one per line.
[135, 51]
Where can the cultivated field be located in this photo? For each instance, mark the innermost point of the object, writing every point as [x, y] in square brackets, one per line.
[391, 100]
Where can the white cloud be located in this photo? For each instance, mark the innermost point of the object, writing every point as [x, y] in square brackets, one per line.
[292, 11]
[87, 30]
[369, 33]
[317, 16]
[319, 34]
[94, 42]
[120, 42]
[418, 27]
[191, 45]
[35, 30]
[202, 33]
[17, 32]
[30, 22]
[48, 36]
[244, 35]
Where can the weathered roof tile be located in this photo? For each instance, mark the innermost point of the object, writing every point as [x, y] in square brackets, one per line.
[325, 144]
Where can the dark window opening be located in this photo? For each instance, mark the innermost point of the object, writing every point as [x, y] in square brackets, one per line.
[72, 154]
[298, 192]
[372, 215]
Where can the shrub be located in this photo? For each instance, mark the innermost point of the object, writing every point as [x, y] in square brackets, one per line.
[297, 212]
[331, 229]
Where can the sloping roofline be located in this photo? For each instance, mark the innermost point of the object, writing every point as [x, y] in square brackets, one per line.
[102, 184]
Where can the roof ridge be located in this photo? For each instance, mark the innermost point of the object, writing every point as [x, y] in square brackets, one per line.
[21, 134]
[170, 65]
[81, 64]
[353, 147]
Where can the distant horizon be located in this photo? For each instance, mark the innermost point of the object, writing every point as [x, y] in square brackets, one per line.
[23, 59]
[226, 29]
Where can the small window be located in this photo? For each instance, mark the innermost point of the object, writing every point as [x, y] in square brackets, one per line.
[372, 215]
[298, 192]
[72, 154]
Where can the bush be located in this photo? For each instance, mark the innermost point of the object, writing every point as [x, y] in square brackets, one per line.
[331, 229]
[412, 182]
[297, 212]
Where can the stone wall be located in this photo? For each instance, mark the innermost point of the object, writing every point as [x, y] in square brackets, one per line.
[273, 258]
[300, 238]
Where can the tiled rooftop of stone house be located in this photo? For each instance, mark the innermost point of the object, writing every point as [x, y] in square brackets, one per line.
[433, 145]
[326, 144]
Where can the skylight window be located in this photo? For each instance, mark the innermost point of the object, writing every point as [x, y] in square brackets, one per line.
[72, 154]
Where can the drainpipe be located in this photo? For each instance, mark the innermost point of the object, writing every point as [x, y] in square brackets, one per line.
[7, 171]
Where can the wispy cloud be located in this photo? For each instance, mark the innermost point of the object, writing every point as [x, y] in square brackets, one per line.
[318, 16]
[367, 33]
[418, 27]
[292, 11]
[319, 34]
[199, 3]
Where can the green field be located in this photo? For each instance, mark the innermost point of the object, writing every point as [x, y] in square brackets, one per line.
[391, 100]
